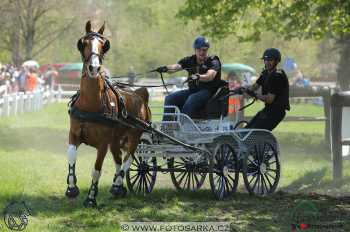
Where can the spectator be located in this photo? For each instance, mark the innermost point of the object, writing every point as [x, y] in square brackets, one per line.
[50, 77]
[32, 80]
[131, 75]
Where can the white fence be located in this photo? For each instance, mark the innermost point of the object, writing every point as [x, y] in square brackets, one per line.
[18, 103]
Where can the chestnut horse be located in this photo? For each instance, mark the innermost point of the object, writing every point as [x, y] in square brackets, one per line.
[97, 96]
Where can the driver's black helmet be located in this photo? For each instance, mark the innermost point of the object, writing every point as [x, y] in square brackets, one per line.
[200, 42]
[272, 53]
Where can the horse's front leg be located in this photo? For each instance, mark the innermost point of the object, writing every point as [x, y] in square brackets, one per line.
[90, 200]
[72, 189]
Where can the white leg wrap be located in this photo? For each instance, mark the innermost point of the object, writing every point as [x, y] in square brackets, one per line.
[95, 177]
[125, 166]
[72, 157]
[72, 154]
[71, 182]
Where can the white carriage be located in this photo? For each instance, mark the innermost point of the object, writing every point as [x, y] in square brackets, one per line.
[190, 149]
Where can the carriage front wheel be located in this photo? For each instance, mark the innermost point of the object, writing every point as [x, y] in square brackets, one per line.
[141, 176]
[224, 171]
[261, 169]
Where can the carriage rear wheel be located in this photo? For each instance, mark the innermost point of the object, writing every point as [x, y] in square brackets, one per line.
[187, 174]
[261, 169]
[224, 173]
[141, 176]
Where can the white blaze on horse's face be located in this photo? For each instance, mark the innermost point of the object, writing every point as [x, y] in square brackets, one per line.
[94, 66]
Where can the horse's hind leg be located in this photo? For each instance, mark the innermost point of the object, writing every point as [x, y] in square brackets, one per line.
[130, 147]
[72, 189]
[117, 188]
[90, 200]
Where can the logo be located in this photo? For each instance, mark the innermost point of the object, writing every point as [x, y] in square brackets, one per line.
[16, 215]
[304, 214]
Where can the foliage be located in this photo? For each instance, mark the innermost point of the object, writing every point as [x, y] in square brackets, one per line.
[300, 19]
[247, 20]
[146, 34]
[29, 26]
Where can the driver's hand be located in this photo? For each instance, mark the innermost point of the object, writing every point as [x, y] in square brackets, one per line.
[195, 78]
[162, 69]
[250, 93]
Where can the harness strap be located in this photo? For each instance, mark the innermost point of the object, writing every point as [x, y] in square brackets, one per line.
[121, 103]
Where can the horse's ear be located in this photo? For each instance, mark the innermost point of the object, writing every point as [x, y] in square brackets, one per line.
[106, 46]
[102, 29]
[88, 27]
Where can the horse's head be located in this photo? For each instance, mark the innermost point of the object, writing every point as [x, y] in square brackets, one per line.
[92, 48]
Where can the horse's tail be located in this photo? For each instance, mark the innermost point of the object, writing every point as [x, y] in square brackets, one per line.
[143, 93]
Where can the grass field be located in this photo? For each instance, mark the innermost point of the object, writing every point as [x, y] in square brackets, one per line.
[33, 168]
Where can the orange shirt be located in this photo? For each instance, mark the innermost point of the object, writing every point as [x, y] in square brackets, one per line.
[31, 82]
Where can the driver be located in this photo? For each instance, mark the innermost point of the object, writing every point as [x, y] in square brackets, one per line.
[274, 93]
[204, 78]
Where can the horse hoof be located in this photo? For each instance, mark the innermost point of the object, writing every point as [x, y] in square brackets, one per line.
[90, 203]
[72, 192]
[118, 191]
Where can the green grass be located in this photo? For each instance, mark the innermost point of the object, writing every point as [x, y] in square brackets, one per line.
[34, 167]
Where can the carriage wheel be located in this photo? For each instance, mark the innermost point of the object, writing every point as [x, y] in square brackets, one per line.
[141, 176]
[224, 173]
[187, 175]
[261, 169]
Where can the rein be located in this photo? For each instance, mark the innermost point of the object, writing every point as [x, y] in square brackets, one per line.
[240, 91]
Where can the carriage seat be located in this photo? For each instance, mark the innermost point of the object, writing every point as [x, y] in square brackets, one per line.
[215, 107]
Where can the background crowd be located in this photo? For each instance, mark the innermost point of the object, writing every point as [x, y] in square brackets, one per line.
[25, 78]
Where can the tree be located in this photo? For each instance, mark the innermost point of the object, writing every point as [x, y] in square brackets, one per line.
[301, 19]
[30, 26]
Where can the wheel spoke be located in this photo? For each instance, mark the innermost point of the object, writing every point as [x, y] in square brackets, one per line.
[134, 176]
[270, 175]
[268, 180]
[138, 187]
[256, 181]
[197, 181]
[253, 162]
[272, 170]
[186, 179]
[229, 186]
[223, 190]
[148, 184]
[264, 184]
[253, 177]
[133, 183]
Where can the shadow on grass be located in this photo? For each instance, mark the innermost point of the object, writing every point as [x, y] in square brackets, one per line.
[247, 212]
[315, 181]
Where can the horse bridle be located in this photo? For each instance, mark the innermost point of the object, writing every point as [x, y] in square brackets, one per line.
[91, 35]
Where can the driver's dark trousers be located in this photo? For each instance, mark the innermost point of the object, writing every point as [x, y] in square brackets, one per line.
[268, 118]
[188, 101]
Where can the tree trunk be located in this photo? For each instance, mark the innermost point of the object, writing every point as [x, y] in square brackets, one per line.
[15, 45]
[343, 71]
[29, 45]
